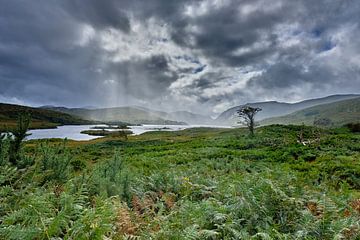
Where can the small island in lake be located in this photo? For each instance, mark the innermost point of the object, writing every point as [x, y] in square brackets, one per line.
[109, 126]
[103, 132]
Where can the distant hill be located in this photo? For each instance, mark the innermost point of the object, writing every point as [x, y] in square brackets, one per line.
[133, 115]
[330, 114]
[189, 117]
[275, 109]
[41, 118]
[182, 116]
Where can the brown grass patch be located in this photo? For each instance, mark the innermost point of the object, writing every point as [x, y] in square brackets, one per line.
[125, 223]
[315, 209]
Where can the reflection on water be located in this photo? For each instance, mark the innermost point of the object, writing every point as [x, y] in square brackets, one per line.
[68, 131]
[73, 131]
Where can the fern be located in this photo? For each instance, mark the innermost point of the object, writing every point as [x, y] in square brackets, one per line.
[111, 178]
[55, 163]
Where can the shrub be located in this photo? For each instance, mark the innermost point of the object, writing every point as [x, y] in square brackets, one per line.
[18, 135]
[4, 149]
[111, 178]
[55, 163]
[354, 127]
[322, 122]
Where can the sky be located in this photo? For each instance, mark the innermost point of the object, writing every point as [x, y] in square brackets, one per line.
[198, 55]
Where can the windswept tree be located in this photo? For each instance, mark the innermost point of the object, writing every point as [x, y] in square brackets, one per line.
[247, 114]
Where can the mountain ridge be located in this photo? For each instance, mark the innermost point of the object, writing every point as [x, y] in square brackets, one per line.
[128, 114]
[40, 118]
[136, 115]
[329, 114]
[275, 109]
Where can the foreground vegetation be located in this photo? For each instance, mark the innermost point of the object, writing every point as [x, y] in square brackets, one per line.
[192, 184]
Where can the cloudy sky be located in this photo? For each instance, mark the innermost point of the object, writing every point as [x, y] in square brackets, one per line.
[203, 56]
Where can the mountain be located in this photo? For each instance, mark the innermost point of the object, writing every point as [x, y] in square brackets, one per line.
[189, 117]
[275, 109]
[330, 114]
[182, 116]
[40, 118]
[132, 115]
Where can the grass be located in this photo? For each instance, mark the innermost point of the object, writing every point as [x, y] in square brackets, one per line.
[193, 184]
[11, 124]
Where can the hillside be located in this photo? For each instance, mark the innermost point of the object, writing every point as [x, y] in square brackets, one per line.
[133, 115]
[189, 117]
[275, 109]
[41, 118]
[335, 114]
[182, 116]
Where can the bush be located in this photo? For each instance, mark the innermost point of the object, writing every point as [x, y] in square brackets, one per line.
[323, 122]
[18, 135]
[354, 127]
[111, 178]
[4, 149]
[55, 163]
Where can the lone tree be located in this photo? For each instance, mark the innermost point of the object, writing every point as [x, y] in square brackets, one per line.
[248, 113]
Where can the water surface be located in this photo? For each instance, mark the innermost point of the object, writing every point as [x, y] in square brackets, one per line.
[73, 131]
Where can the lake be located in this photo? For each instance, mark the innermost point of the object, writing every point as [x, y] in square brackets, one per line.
[73, 131]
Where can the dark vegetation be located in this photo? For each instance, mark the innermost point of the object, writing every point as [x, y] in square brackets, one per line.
[354, 127]
[40, 118]
[322, 122]
[121, 126]
[16, 137]
[197, 183]
[103, 132]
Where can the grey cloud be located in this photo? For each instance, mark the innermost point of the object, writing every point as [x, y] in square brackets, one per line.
[222, 31]
[100, 14]
[142, 78]
[280, 75]
[45, 60]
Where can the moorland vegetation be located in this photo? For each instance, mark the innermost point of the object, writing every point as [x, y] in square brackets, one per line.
[198, 183]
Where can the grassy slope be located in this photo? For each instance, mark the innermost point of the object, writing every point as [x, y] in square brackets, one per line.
[273, 109]
[196, 184]
[41, 118]
[339, 113]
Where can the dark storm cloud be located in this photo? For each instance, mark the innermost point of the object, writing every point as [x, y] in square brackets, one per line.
[40, 59]
[222, 31]
[100, 14]
[78, 52]
[284, 75]
[207, 80]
